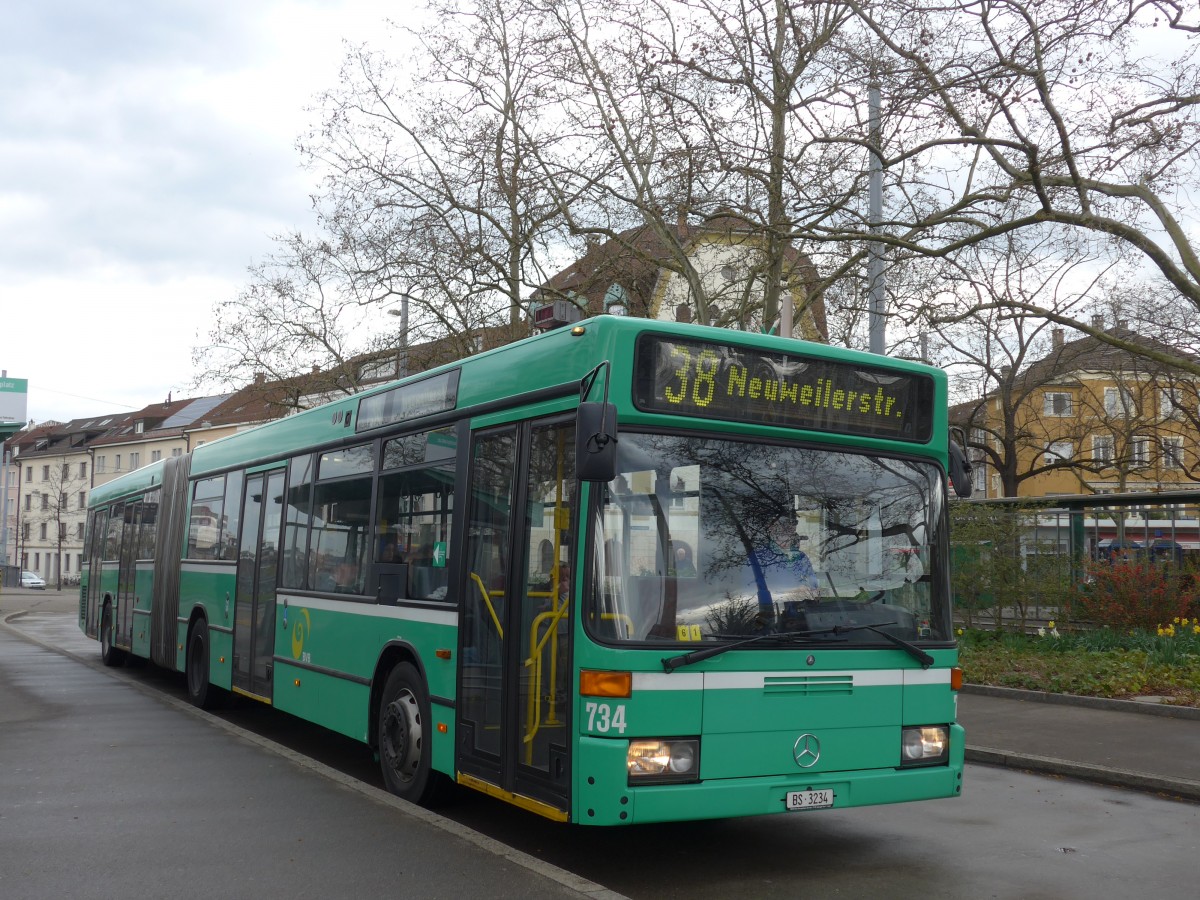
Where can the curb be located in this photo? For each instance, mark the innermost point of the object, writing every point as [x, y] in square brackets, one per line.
[1141, 707]
[1174, 787]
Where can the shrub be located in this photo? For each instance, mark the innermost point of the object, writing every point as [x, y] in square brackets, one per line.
[1134, 594]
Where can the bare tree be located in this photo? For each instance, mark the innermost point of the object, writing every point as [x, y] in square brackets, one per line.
[709, 108]
[462, 180]
[298, 314]
[1005, 361]
[1034, 114]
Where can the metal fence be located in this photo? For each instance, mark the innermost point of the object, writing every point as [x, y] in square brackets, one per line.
[1016, 562]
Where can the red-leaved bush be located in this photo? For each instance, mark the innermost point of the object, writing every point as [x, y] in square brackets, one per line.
[1134, 594]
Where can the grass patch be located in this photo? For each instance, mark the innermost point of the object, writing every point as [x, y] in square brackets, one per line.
[1100, 663]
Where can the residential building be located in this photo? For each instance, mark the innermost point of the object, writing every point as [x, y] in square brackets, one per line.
[1087, 418]
[148, 435]
[638, 273]
[54, 470]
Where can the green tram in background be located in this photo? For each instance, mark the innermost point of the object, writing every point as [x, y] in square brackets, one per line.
[626, 571]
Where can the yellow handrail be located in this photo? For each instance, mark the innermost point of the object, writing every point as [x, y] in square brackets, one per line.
[488, 600]
[533, 718]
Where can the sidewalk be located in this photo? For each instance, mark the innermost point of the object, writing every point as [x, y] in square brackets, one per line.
[1142, 745]
[106, 788]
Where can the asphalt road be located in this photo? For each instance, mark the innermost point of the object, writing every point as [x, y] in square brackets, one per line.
[1012, 834]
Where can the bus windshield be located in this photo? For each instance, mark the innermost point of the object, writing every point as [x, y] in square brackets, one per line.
[702, 538]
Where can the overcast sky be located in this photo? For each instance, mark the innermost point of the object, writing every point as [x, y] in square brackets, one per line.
[147, 155]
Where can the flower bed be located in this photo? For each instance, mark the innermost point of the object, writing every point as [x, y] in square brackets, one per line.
[1103, 662]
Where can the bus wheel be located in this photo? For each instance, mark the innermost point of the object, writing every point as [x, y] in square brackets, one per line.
[404, 744]
[200, 691]
[109, 654]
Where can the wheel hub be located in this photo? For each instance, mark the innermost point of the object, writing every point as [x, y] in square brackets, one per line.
[402, 736]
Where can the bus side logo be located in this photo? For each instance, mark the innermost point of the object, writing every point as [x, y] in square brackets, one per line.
[299, 633]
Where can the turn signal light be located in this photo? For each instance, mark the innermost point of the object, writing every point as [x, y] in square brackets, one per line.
[956, 677]
[605, 684]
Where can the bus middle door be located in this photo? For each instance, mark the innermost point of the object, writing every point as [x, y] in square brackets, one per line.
[257, 571]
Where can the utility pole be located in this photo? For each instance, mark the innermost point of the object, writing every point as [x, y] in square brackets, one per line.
[4, 513]
[402, 355]
[875, 263]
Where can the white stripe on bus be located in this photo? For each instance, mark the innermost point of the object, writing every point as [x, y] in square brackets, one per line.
[724, 681]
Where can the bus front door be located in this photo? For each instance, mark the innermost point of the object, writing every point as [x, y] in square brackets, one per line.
[514, 737]
[254, 609]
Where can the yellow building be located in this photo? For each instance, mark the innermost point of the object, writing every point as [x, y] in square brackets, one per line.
[1087, 418]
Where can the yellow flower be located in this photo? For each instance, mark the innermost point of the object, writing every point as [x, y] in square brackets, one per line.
[1051, 624]
[960, 631]
[1196, 629]
[1176, 620]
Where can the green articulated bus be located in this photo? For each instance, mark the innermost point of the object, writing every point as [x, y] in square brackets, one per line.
[625, 571]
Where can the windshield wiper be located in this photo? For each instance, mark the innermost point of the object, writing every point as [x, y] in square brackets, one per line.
[911, 649]
[671, 663]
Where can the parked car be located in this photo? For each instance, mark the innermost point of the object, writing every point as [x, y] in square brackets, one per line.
[32, 580]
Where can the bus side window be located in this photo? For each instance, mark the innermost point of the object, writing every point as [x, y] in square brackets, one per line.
[413, 520]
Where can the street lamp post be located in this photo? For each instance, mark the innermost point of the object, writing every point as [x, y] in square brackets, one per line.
[402, 356]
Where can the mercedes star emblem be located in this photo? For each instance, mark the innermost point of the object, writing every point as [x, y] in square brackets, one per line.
[806, 751]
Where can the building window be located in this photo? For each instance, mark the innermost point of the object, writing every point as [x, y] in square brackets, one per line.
[1058, 451]
[1139, 450]
[117, 463]
[62, 531]
[155, 455]
[66, 471]
[83, 470]
[1057, 404]
[66, 562]
[1170, 404]
[45, 502]
[1118, 402]
[101, 463]
[139, 427]
[24, 531]
[135, 461]
[28, 502]
[79, 532]
[83, 499]
[29, 473]
[45, 473]
[177, 451]
[42, 532]
[1102, 448]
[1172, 452]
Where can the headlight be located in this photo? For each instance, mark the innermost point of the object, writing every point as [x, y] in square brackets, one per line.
[925, 745]
[663, 760]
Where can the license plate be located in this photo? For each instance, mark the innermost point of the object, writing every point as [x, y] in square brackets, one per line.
[810, 799]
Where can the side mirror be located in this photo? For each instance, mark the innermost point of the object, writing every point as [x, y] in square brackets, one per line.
[960, 470]
[596, 442]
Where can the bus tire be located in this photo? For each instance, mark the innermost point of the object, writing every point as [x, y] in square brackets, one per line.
[405, 748]
[201, 692]
[109, 655]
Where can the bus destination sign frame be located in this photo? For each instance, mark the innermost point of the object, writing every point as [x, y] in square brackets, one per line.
[741, 384]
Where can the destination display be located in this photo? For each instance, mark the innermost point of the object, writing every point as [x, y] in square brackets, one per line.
[721, 381]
